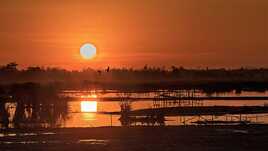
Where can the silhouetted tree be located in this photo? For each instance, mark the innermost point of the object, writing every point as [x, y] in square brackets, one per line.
[9, 67]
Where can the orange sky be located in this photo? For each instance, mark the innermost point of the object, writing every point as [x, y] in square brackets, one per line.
[131, 33]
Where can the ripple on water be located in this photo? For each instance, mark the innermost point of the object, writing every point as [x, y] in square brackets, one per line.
[48, 133]
[24, 134]
[7, 134]
[27, 134]
[93, 141]
[81, 141]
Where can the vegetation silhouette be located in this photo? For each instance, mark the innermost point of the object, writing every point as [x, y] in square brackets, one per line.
[146, 78]
[35, 106]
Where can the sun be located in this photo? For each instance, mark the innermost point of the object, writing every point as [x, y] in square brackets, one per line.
[88, 51]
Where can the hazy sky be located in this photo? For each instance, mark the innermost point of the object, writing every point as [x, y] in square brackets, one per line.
[131, 33]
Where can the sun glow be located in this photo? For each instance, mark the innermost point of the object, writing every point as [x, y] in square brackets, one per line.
[88, 96]
[88, 106]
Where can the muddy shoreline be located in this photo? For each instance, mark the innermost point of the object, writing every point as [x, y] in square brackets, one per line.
[247, 137]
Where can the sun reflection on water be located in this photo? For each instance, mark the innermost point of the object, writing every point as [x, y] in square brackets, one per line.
[88, 96]
[89, 109]
[89, 106]
[89, 116]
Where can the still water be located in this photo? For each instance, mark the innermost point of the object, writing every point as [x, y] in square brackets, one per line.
[86, 110]
[86, 113]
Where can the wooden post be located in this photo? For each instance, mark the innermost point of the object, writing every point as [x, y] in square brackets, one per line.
[111, 120]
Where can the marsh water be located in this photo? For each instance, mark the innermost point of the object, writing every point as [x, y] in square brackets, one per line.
[78, 118]
[85, 108]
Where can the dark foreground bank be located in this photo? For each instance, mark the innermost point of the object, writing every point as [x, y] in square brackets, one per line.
[253, 137]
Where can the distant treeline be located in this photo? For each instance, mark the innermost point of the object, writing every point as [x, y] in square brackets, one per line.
[141, 79]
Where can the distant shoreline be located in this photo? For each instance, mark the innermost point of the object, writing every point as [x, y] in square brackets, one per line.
[123, 128]
[205, 87]
[147, 78]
